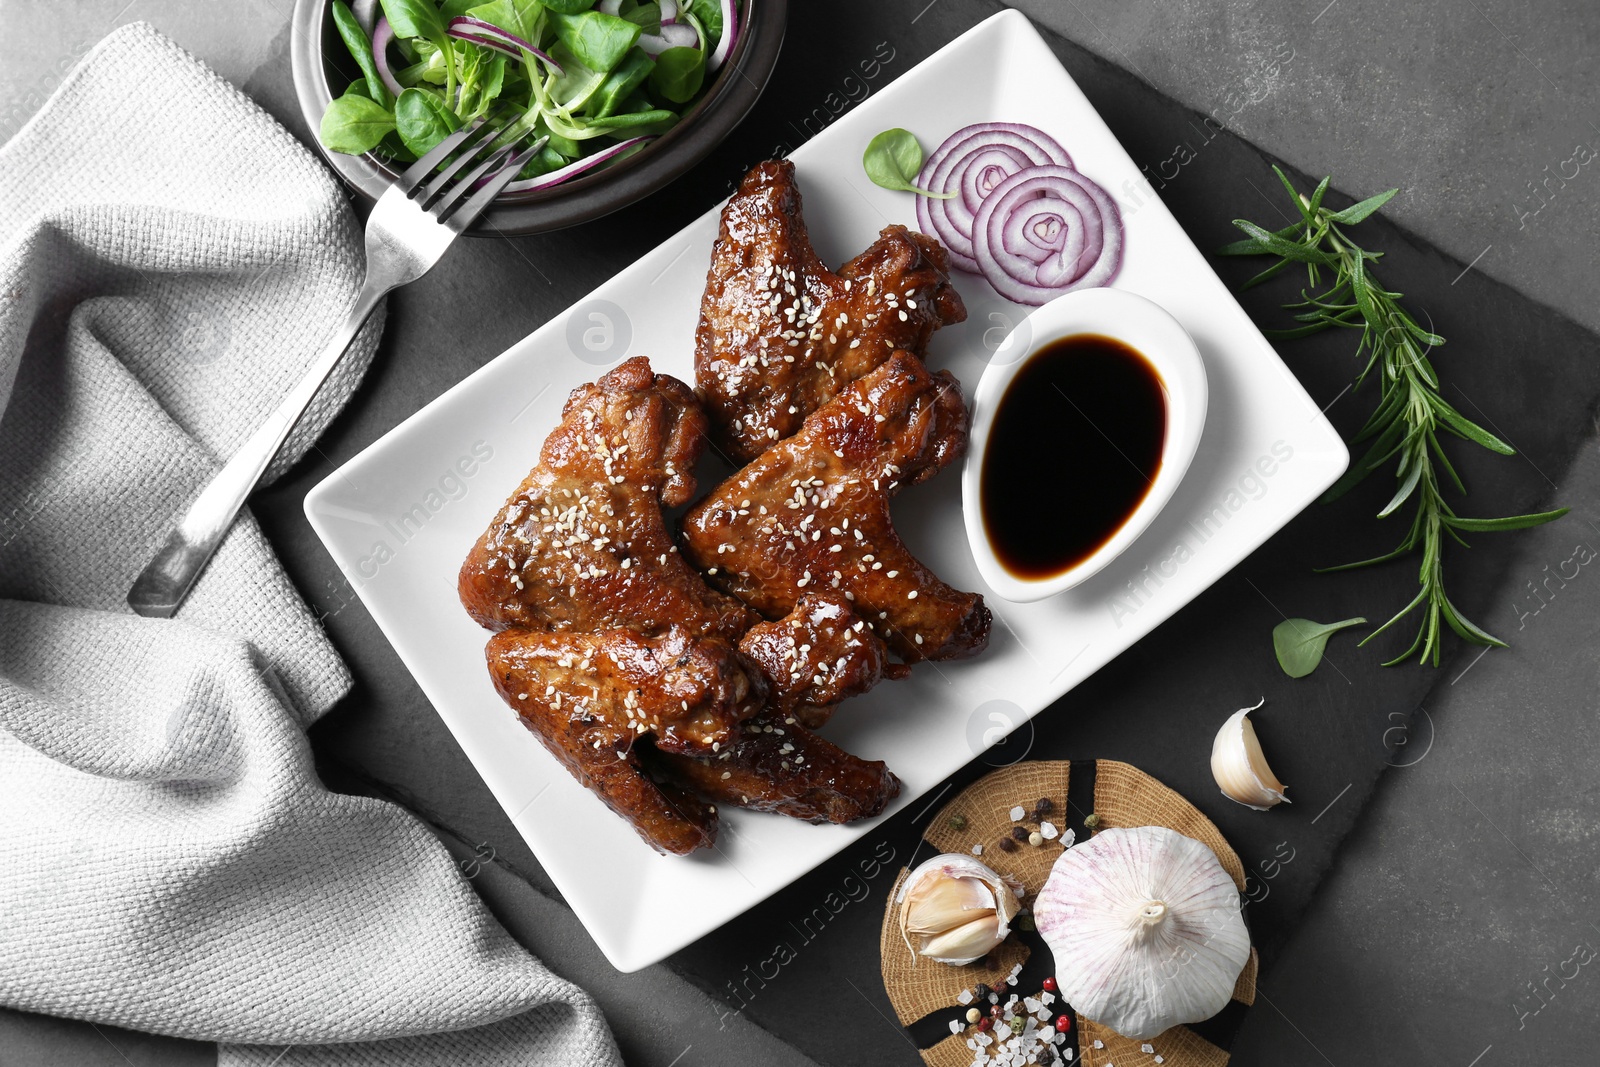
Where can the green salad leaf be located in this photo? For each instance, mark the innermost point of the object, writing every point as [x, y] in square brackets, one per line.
[709, 12]
[354, 124]
[520, 17]
[423, 120]
[355, 39]
[597, 39]
[678, 74]
[415, 18]
[646, 16]
[893, 159]
[1299, 643]
[627, 76]
[634, 118]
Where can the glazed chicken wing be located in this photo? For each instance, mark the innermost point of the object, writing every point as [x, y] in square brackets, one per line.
[653, 724]
[812, 513]
[779, 766]
[581, 544]
[818, 655]
[603, 702]
[780, 333]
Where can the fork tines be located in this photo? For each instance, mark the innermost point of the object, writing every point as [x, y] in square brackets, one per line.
[493, 146]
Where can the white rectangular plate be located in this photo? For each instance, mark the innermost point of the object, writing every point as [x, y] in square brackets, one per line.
[400, 517]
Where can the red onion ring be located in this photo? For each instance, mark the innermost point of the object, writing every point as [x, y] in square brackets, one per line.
[477, 31]
[973, 161]
[572, 170]
[730, 35]
[382, 35]
[669, 12]
[486, 42]
[1045, 231]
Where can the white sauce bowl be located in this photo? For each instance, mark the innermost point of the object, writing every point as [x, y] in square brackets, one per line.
[1142, 325]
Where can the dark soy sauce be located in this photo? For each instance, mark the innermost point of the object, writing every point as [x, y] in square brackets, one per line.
[1074, 447]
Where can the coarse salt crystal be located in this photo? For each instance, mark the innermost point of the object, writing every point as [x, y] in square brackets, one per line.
[1147, 1047]
[1161, 1059]
[964, 997]
[1017, 813]
[1048, 831]
[977, 850]
[1098, 1043]
[955, 1027]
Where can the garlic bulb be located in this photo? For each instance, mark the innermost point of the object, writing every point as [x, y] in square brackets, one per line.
[956, 909]
[1239, 766]
[1146, 930]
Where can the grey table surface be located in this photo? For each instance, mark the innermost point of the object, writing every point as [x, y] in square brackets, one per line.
[1441, 930]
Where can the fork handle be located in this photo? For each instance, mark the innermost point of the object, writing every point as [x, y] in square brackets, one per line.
[162, 586]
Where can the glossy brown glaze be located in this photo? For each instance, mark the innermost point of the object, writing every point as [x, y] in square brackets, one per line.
[582, 544]
[812, 513]
[592, 698]
[779, 766]
[817, 656]
[780, 333]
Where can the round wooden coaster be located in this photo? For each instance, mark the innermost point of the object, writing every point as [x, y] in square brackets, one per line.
[924, 993]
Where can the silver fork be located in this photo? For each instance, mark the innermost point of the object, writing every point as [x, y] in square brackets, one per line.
[410, 227]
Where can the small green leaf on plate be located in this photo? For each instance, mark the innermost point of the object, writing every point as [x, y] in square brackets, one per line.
[893, 160]
[1299, 643]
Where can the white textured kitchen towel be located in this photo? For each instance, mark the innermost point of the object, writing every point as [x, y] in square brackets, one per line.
[170, 259]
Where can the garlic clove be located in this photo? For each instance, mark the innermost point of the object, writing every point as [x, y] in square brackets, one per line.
[1240, 767]
[966, 943]
[956, 909]
[940, 903]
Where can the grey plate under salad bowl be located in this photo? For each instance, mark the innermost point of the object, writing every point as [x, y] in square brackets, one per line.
[320, 61]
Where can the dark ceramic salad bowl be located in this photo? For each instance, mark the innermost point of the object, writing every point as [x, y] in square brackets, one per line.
[321, 62]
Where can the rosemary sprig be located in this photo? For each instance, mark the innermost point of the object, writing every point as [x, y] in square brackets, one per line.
[1411, 414]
